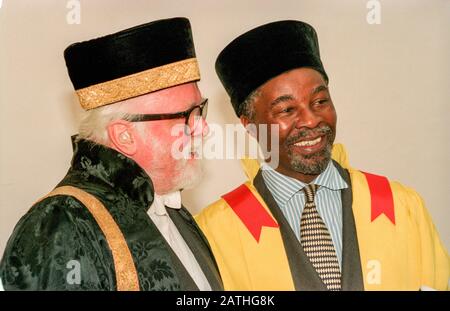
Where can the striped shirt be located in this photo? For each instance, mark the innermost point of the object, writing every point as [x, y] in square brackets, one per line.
[288, 194]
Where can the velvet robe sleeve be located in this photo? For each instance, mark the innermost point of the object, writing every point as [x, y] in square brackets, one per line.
[57, 245]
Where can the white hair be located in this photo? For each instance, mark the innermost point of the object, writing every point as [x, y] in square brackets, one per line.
[94, 122]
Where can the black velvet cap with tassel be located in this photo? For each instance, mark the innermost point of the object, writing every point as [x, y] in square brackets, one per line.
[265, 52]
[132, 62]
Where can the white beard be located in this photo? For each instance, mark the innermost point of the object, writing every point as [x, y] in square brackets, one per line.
[188, 170]
[190, 175]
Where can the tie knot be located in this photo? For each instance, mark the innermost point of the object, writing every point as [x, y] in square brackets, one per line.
[310, 191]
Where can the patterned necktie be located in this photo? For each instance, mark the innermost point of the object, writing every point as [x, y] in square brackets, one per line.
[317, 243]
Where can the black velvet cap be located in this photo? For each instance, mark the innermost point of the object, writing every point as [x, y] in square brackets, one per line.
[129, 52]
[265, 52]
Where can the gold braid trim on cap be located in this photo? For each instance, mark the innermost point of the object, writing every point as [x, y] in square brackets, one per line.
[140, 83]
[126, 274]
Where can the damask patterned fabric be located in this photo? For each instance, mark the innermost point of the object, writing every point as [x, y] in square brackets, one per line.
[58, 234]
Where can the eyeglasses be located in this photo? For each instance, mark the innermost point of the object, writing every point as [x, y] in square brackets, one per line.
[192, 116]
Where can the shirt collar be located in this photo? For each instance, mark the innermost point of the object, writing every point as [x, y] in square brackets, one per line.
[171, 200]
[275, 181]
[330, 178]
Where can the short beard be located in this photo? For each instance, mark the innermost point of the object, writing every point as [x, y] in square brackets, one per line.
[190, 175]
[191, 170]
[186, 174]
[313, 164]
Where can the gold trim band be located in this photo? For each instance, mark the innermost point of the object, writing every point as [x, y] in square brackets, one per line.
[140, 83]
[126, 274]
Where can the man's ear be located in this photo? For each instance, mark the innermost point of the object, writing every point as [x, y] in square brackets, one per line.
[122, 136]
[249, 126]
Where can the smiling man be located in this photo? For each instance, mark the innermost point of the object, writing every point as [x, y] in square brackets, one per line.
[115, 221]
[311, 222]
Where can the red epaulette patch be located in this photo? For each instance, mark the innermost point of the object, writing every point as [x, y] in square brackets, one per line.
[249, 210]
[381, 198]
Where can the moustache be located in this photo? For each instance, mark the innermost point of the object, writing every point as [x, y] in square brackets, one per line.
[318, 131]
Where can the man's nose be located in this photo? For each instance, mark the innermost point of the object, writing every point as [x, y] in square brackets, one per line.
[307, 118]
[202, 128]
[205, 127]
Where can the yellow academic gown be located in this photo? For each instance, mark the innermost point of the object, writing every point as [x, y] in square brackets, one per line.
[398, 251]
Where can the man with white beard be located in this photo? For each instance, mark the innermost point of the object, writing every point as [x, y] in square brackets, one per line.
[115, 221]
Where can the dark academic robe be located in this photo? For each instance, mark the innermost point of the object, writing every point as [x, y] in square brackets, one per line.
[58, 245]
